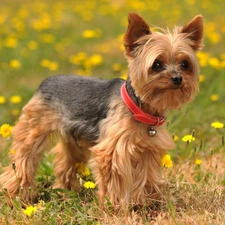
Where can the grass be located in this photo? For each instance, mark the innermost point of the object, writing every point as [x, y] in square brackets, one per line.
[42, 38]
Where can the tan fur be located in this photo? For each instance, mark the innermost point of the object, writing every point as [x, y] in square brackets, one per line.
[171, 48]
[30, 137]
[126, 162]
[67, 155]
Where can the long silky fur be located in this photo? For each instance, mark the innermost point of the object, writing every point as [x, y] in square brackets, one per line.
[126, 162]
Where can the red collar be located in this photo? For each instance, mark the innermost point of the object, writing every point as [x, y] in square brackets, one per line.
[138, 114]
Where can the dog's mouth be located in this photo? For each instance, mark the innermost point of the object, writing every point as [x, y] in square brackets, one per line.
[177, 92]
[176, 88]
[165, 92]
[173, 88]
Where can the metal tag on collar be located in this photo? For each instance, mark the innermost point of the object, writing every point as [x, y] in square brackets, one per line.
[152, 132]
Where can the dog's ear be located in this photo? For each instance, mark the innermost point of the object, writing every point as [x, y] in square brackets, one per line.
[195, 30]
[137, 28]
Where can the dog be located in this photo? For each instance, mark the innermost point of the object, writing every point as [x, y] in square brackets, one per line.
[118, 124]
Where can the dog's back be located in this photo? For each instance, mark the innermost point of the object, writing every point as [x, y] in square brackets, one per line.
[82, 101]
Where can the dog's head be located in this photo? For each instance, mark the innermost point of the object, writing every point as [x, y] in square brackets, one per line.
[163, 67]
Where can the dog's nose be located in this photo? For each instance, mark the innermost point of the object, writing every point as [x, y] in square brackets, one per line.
[177, 80]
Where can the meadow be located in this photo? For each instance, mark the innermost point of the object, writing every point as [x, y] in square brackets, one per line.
[43, 38]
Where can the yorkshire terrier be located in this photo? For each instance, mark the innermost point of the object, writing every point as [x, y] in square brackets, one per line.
[118, 124]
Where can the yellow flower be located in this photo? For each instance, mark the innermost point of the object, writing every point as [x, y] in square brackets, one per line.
[89, 185]
[45, 62]
[11, 42]
[12, 152]
[42, 23]
[123, 76]
[16, 99]
[217, 125]
[32, 45]
[2, 18]
[166, 161]
[53, 66]
[88, 34]
[2, 100]
[82, 169]
[40, 204]
[175, 138]
[48, 38]
[214, 62]
[203, 62]
[83, 72]
[222, 64]
[198, 161]
[95, 59]
[23, 13]
[78, 59]
[49, 64]
[201, 78]
[191, 2]
[30, 210]
[15, 64]
[214, 97]
[188, 138]
[17, 24]
[214, 37]
[5, 130]
[203, 58]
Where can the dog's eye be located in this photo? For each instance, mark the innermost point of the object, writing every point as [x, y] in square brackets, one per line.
[184, 65]
[157, 66]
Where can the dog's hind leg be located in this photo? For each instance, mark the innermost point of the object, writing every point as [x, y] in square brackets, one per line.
[68, 154]
[30, 136]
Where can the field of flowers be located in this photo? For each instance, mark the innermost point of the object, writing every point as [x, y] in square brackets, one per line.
[43, 38]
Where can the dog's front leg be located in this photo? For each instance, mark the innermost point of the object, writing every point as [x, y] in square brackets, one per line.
[112, 170]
